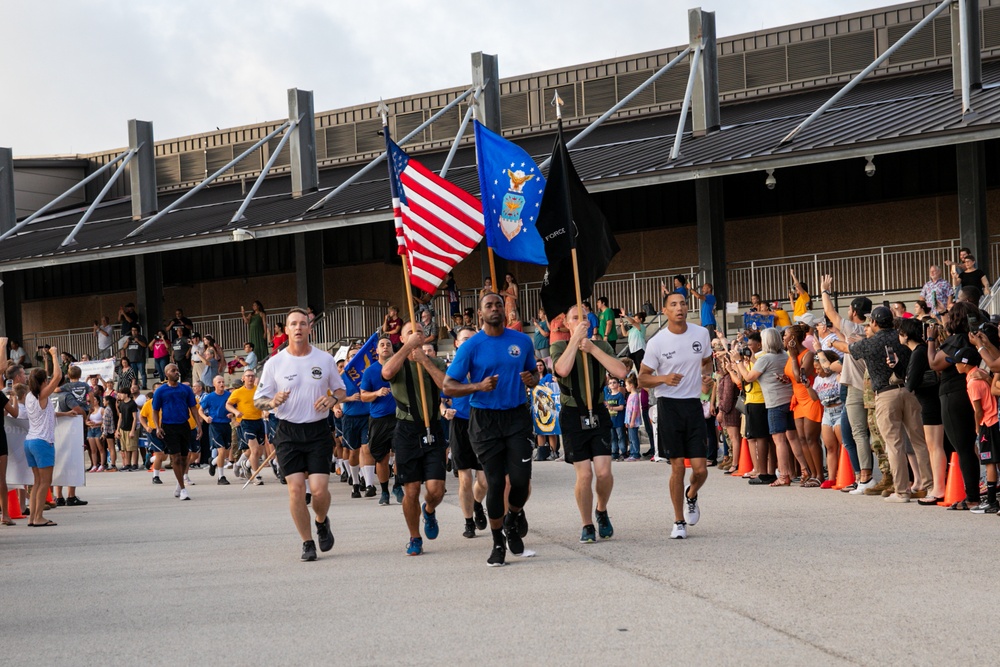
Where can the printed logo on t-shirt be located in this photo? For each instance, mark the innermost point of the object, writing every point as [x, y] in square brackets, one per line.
[696, 347]
[514, 351]
[317, 372]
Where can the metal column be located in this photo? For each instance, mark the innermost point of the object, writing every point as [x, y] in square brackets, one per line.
[302, 146]
[973, 229]
[142, 171]
[149, 292]
[486, 76]
[705, 114]
[309, 286]
[974, 66]
[8, 212]
[11, 294]
[712, 236]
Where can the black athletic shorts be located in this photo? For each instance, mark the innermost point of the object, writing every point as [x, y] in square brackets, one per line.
[680, 428]
[176, 438]
[989, 438]
[380, 433]
[305, 448]
[355, 431]
[757, 426]
[461, 447]
[417, 461]
[580, 444]
[491, 432]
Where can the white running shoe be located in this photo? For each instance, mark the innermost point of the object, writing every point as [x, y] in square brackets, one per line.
[861, 487]
[177, 491]
[691, 511]
[187, 481]
[680, 531]
[184, 495]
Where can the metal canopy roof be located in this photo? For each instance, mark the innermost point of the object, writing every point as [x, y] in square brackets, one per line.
[889, 115]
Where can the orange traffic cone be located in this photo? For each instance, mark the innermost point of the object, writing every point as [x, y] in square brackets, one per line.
[687, 463]
[48, 496]
[746, 462]
[845, 472]
[14, 506]
[954, 488]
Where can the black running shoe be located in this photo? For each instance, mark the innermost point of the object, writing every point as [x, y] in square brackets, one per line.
[223, 481]
[604, 524]
[480, 516]
[61, 502]
[370, 492]
[211, 469]
[356, 493]
[344, 476]
[470, 529]
[309, 550]
[514, 540]
[522, 524]
[157, 480]
[324, 534]
[497, 556]
[73, 500]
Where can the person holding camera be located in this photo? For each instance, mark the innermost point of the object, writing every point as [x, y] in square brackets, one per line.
[161, 354]
[896, 407]
[586, 434]
[128, 318]
[135, 352]
[105, 338]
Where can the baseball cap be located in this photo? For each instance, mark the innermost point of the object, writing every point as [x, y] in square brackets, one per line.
[882, 316]
[807, 319]
[862, 305]
[967, 355]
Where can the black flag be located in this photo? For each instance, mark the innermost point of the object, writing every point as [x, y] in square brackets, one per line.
[569, 218]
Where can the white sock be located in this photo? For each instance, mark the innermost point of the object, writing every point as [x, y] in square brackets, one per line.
[370, 475]
[355, 474]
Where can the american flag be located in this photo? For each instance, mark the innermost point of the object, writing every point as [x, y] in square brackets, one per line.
[437, 223]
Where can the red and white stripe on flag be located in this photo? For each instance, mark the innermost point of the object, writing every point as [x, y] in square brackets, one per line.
[438, 226]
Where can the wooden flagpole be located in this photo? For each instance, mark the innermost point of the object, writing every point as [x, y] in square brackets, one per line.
[383, 110]
[413, 325]
[257, 471]
[557, 103]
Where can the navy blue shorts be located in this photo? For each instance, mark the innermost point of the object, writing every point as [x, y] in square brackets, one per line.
[195, 445]
[780, 420]
[250, 429]
[220, 435]
[155, 445]
[355, 431]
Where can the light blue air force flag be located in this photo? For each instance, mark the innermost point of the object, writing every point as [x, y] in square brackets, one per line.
[511, 186]
[364, 358]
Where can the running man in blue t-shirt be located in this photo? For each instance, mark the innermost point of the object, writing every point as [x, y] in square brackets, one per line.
[173, 404]
[707, 308]
[375, 391]
[356, 438]
[498, 364]
[220, 430]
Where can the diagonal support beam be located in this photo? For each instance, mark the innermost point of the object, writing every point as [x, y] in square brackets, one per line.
[692, 76]
[866, 71]
[622, 102]
[71, 238]
[239, 217]
[21, 225]
[461, 131]
[190, 193]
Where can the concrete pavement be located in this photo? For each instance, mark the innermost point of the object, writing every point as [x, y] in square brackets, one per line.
[769, 576]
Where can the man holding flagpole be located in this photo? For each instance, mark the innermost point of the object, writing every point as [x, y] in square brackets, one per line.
[499, 363]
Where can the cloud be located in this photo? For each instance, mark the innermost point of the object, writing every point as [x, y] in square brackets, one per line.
[76, 72]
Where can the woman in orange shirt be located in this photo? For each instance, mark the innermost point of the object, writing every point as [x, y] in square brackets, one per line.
[808, 413]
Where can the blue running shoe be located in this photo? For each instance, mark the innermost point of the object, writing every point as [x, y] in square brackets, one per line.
[398, 492]
[604, 527]
[415, 547]
[588, 535]
[430, 523]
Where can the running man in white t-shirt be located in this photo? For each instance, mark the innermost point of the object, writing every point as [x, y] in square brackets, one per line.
[672, 368]
[300, 385]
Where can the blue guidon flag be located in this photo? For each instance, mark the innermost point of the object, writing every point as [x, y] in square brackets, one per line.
[511, 186]
[364, 358]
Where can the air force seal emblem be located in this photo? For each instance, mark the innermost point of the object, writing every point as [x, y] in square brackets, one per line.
[513, 202]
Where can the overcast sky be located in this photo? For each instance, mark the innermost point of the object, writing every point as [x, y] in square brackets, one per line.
[74, 72]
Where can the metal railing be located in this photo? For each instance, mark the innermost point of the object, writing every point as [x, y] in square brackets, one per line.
[879, 270]
[350, 319]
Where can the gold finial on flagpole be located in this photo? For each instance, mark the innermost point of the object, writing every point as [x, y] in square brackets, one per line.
[557, 102]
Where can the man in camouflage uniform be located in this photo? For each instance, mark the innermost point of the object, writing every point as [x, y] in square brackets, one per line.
[885, 486]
